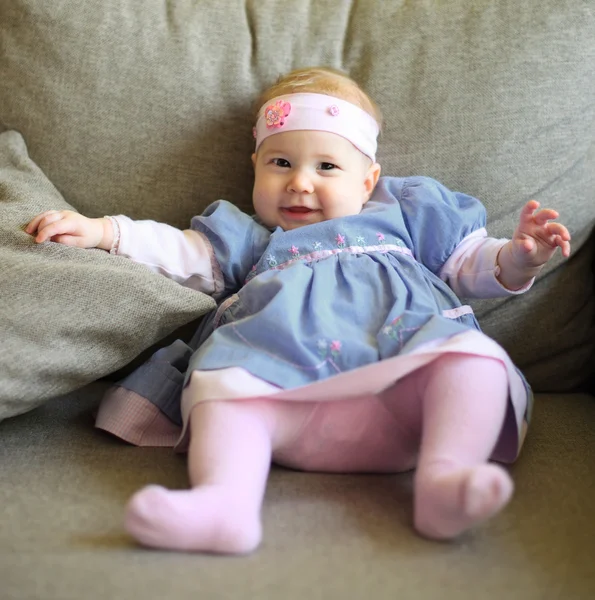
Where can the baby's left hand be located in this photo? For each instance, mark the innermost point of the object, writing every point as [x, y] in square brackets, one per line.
[536, 238]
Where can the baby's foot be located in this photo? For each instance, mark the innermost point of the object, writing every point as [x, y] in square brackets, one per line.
[203, 519]
[448, 502]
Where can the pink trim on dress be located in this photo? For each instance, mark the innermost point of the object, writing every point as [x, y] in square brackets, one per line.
[322, 254]
[459, 311]
[235, 383]
[135, 420]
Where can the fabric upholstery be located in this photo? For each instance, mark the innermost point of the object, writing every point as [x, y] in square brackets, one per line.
[145, 109]
[331, 537]
[69, 316]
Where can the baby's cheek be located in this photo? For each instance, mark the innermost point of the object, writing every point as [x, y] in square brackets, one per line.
[259, 200]
[344, 206]
[265, 208]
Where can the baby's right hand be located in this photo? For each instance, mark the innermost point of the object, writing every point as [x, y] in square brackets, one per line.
[72, 229]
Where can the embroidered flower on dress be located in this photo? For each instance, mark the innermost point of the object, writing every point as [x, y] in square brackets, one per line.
[317, 245]
[335, 346]
[325, 349]
[380, 236]
[397, 331]
[274, 114]
[272, 261]
[360, 240]
[340, 239]
[393, 329]
[294, 250]
[333, 110]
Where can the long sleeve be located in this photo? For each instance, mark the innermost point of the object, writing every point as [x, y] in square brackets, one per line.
[184, 256]
[472, 269]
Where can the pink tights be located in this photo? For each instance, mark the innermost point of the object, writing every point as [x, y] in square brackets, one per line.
[449, 416]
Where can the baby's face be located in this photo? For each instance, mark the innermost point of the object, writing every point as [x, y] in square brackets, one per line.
[304, 177]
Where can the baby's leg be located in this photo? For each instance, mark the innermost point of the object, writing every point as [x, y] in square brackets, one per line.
[228, 460]
[464, 404]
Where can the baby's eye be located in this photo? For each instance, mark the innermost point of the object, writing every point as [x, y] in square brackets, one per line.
[327, 166]
[281, 162]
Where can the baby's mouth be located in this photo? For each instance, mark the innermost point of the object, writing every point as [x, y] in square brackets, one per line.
[298, 209]
[299, 213]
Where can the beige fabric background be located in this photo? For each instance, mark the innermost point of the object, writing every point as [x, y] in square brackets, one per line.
[141, 107]
[144, 108]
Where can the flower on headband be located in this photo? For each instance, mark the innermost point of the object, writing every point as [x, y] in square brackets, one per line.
[274, 114]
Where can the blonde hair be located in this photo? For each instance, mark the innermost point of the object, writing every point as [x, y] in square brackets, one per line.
[321, 80]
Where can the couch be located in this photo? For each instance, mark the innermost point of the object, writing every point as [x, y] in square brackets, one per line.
[116, 106]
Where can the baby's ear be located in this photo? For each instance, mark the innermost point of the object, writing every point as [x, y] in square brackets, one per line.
[371, 180]
[254, 159]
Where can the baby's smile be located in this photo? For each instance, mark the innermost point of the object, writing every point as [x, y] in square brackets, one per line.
[298, 213]
[299, 209]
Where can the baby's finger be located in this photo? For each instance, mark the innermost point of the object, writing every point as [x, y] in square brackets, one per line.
[545, 215]
[528, 210]
[34, 223]
[50, 218]
[564, 246]
[45, 223]
[558, 229]
[58, 226]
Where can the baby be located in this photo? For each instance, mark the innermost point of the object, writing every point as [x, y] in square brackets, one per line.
[339, 344]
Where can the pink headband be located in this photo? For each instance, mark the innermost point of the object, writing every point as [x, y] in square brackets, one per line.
[319, 112]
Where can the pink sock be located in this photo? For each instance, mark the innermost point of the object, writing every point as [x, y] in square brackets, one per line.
[228, 461]
[202, 519]
[464, 403]
[451, 500]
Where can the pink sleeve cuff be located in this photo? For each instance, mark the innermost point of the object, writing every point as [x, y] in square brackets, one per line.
[116, 230]
[472, 269]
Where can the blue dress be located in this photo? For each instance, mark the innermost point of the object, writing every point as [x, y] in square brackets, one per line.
[334, 310]
[310, 303]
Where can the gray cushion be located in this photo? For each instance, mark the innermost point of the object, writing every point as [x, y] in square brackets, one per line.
[69, 316]
[144, 108]
[327, 536]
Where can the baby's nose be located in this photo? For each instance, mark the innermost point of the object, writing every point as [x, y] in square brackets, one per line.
[300, 183]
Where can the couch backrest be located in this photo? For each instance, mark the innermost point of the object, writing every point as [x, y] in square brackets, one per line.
[144, 108]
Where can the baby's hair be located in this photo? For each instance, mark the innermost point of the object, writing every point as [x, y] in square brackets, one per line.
[321, 80]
